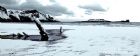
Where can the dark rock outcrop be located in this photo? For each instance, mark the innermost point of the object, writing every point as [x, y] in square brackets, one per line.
[25, 19]
[14, 19]
[3, 9]
[23, 16]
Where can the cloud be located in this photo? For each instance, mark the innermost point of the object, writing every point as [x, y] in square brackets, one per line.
[88, 12]
[93, 8]
[8, 2]
[89, 9]
[54, 9]
[57, 10]
[52, 0]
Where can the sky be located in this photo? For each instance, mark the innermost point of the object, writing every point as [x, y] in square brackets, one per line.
[73, 10]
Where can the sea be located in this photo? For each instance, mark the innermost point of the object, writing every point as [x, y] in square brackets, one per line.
[84, 39]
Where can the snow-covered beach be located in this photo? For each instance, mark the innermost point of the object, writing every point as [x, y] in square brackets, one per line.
[85, 39]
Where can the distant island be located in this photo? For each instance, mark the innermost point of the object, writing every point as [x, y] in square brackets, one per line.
[103, 20]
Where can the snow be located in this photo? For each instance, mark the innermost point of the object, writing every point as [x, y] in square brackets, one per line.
[83, 40]
[16, 13]
[42, 17]
[3, 15]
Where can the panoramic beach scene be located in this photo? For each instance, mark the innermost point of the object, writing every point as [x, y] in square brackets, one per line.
[69, 28]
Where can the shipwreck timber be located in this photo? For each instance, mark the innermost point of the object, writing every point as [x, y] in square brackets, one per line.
[44, 34]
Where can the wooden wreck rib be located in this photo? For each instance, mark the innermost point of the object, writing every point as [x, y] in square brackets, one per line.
[53, 34]
[43, 34]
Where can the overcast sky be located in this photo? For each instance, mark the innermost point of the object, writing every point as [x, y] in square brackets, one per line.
[80, 9]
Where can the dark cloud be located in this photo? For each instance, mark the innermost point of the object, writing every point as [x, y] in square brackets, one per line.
[30, 4]
[54, 9]
[8, 2]
[91, 8]
[88, 12]
[57, 10]
[52, 0]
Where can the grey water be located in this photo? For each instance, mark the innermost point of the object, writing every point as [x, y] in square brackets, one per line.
[86, 39]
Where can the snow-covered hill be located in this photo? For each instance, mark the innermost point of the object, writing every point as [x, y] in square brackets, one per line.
[9, 15]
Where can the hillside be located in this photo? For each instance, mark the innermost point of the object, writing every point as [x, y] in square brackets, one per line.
[9, 15]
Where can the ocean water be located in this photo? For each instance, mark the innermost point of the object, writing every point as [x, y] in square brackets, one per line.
[84, 39]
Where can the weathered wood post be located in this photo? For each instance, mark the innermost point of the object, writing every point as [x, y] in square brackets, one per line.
[25, 36]
[43, 33]
[19, 36]
[61, 30]
[13, 35]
